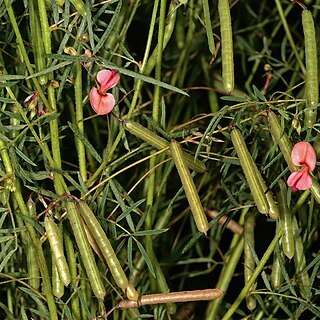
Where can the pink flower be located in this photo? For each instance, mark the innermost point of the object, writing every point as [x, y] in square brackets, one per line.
[303, 155]
[101, 101]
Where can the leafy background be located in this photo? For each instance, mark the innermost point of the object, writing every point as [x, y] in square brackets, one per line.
[60, 146]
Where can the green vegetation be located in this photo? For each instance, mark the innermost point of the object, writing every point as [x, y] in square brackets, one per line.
[99, 200]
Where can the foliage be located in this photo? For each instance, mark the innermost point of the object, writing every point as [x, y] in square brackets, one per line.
[55, 150]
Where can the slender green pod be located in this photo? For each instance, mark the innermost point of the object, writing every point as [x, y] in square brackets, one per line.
[250, 171]
[226, 45]
[273, 208]
[207, 21]
[315, 189]
[80, 6]
[106, 249]
[281, 139]
[85, 251]
[160, 143]
[312, 82]
[32, 263]
[189, 187]
[180, 37]
[60, 2]
[300, 263]
[287, 239]
[93, 243]
[249, 265]
[57, 284]
[276, 274]
[56, 245]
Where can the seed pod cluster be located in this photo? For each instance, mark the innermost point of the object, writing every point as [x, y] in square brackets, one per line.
[85, 251]
[159, 143]
[106, 249]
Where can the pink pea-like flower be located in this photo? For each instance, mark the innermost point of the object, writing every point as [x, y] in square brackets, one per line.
[303, 155]
[101, 101]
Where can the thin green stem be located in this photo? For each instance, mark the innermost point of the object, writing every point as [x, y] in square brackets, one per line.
[135, 97]
[54, 125]
[236, 249]
[79, 121]
[24, 53]
[254, 276]
[289, 35]
[157, 91]
[35, 241]
[150, 182]
[43, 146]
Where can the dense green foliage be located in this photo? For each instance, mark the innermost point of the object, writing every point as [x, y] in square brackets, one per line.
[55, 150]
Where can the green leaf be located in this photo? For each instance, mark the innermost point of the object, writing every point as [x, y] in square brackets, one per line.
[258, 95]
[234, 99]
[42, 309]
[8, 313]
[129, 253]
[146, 258]
[6, 100]
[50, 69]
[43, 192]
[7, 84]
[85, 141]
[130, 209]
[150, 232]
[9, 77]
[124, 71]
[24, 157]
[104, 37]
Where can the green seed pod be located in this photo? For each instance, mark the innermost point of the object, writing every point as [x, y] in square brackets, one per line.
[106, 249]
[60, 2]
[276, 274]
[315, 189]
[85, 251]
[55, 240]
[287, 239]
[249, 264]
[189, 187]
[281, 139]
[300, 263]
[80, 7]
[251, 171]
[160, 143]
[208, 25]
[226, 45]
[273, 208]
[57, 285]
[312, 83]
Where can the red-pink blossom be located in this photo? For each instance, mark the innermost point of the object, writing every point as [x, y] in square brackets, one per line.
[101, 101]
[303, 155]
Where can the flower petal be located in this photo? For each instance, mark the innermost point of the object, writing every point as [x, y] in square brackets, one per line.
[300, 180]
[107, 79]
[101, 104]
[304, 154]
